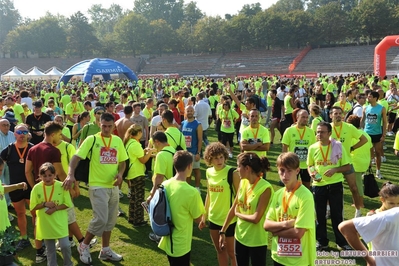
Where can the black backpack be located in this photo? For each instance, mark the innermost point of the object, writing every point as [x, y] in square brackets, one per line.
[127, 163]
[178, 147]
[174, 170]
[230, 181]
[351, 111]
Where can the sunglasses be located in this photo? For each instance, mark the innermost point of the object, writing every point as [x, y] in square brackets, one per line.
[20, 132]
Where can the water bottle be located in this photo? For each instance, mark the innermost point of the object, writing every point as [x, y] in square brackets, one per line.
[317, 175]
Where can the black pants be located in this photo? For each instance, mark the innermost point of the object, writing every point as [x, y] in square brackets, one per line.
[334, 194]
[244, 254]
[180, 261]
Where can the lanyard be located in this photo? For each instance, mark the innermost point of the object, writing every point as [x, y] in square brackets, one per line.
[287, 203]
[299, 132]
[45, 193]
[21, 156]
[109, 142]
[37, 118]
[336, 133]
[250, 191]
[325, 156]
[255, 135]
[74, 107]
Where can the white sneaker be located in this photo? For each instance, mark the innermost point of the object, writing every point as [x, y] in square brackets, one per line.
[379, 175]
[129, 195]
[230, 155]
[109, 255]
[373, 161]
[10, 217]
[358, 213]
[383, 159]
[84, 253]
[57, 245]
[390, 133]
[120, 194]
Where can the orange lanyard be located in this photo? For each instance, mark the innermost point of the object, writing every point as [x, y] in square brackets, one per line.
[226, 115]
[342, 107]
[287, 203]
[37, 118]
[109, 142]
[250, 191]
[255, 135]
[299, 132]
[325, 156]
[336, 133]
[21, 156]
[74, 107]
[45, 193]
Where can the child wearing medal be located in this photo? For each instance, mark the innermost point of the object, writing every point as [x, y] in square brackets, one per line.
[50, 201]
[291, 217]
[250, 205]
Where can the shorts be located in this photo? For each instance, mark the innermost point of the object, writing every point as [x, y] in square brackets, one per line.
[18, 195]
[351, 171]
[196, 165]
[229, 232]
[391, 117]
[104, 203]
[275, 118]
[71, 215]
[320, 97]
[375, 138]
[305, 177]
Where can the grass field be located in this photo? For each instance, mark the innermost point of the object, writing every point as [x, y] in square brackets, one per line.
[138, 249]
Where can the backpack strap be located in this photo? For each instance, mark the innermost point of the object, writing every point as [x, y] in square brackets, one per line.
[92, 145]
[66, 149]
[230, 181]
[127, 148]
[173, 138]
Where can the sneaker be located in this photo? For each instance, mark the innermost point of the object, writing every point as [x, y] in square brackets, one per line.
[328, 214]
[383, 159]
[154, 237]
[84, 253]
[390, 134]
[230, 155]
[120, 212]
[129, 195]
[120, 194]
[40, 258]
[23, 243]
[57, 245]
[320, 247]
[109, 255]
[379, 175]
[10, 217]
[344, 247]
[373, 161]
[384, 147]
[140, 224]
[93, 242]
[358, 213]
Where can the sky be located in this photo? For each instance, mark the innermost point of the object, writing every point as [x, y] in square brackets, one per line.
[38, 8]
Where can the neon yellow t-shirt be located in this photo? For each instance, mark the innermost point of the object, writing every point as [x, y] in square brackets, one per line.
[346, 107]
[135, 151]
[103, 97]
[4, 222]
[53, 226]
[66, 132]
[396, 143]
[175, 138]
[361, 156]
[315, 122]
[315, 158]
[287, 105]
[292, 138]
[218, 195]
[227, 118]
[67, 151]
[74, 110]
[148, 113]
[253, 135]
[104, 162]
[250, 234]
[65, 100]
[183, 214]
[346, 134]
[301, 208]
[18, 110]
[164, 162]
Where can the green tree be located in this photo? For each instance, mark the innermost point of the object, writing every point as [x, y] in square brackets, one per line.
[48, 36]
[251, 10]
[18, 40]
[300, 25]
[285, 6]
[192, 13]
[9, 18]
[331, 23]
[185, 36]
[161, 37]
[259, 30]
[346, 5]
[238, 32]
[81, 39]
[103, 20]
[210, 35]
[131, 32]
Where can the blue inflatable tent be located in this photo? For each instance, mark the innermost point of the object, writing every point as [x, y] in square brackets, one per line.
[97, 66]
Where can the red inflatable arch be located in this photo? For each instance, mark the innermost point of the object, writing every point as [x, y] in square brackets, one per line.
[380, 54]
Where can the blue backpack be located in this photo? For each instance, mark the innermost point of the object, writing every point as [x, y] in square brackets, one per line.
[160, 215]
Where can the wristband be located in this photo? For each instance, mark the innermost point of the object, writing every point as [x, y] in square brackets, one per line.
[222, 233]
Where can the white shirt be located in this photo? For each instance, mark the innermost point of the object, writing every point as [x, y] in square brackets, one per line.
[202, 112]
[382, 230]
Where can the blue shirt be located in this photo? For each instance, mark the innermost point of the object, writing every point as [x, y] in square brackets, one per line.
[189, 130]
[373, 115]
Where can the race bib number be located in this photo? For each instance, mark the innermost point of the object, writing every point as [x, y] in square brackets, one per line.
[108, 156]
[302, 153]
[227, 123]
[289, 247]
[75, 116]
[244, 121]
[188, 141]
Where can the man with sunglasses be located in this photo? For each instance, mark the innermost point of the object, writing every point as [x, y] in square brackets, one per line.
[94, 127]
[36, 122]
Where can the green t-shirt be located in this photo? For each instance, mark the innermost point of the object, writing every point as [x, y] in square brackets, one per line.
[315, 122]
[135, 151]
[247, 233]
[74, 110]
[227, 118]
[67, 151]
[292, 138]
[218, 195]
[346, 107]
[164, 162]
[89, 130]
[175, 138]
[53, 226]
[65, 100]
[287, 105]
[66, 132]
[315, 158]
[183, 214]
[18, 111]
[345, 135]
[261, 134]
[301, 208]
[361, 156]
[4, 222]
[396, 143]
[103, 97]
[104, 161]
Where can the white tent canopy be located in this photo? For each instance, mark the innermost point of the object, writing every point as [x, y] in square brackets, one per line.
[53, 73]
[13, 74]
[34, 73]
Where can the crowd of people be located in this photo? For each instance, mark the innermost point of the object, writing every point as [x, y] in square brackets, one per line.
[159, 128]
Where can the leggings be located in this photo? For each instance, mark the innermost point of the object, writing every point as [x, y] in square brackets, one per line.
[244, 254]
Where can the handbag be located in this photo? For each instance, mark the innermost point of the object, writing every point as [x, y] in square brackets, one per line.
[83, 168]
[371, 189]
